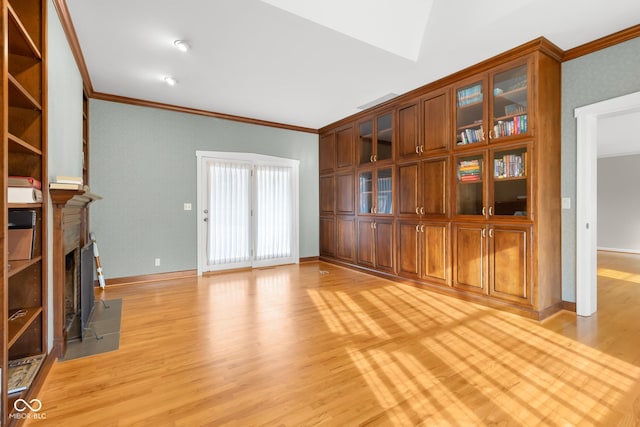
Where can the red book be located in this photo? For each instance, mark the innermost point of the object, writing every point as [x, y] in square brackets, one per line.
[24, 181]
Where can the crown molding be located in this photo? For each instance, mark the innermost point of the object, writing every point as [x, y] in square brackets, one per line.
[177, 108]
[602, 43]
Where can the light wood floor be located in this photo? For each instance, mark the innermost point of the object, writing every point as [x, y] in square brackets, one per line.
[295, 346]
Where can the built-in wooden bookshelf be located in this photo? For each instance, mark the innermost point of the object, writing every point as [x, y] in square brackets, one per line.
[467, 200]
[23, 120]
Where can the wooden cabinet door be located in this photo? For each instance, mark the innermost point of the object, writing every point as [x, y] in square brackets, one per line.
[408, 194]
[327, 191]
[436, 123]
[408, 126]
[436, 252]
[470, 260]
[384, 245]
[408, 245]
[345, 148]
[435, 187]
[327, 237]
[345, 201]
[327, 153]
[510, 263]
[345, 238]
[366, 242]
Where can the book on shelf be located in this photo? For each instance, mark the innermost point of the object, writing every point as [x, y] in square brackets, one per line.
[469, 95]
[21, 373]
[65, 179]
[21, 234]
[515, 126]
[510, 166]
[66, 186]
[24, 195]
[23, 181]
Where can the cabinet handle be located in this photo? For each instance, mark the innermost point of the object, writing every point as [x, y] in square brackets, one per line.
[484, 233]
[375, 210]
[484, 211]
[371, 158]
[417, 228]
[375, 225]
[491, 233]
[371, 226]
[491, 134]
[490, 210]
[417, 210]
[422, 211]
[422, 228]
[422, 148]
[417, 150]
[375, 158]
[371, 210]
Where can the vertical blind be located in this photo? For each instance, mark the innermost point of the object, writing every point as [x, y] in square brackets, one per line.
[230, 230]
[273, 212]
[229, 218]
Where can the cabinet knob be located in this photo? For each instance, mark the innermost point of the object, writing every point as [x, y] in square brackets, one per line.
[417, 149]
[491, 233]
[371, 158]
[417, 228]
[422, 148]
[484, 233]
[490, 210]
[422, 210]
[417, 210]
[484, 211]
[422, 228]
[375, 158]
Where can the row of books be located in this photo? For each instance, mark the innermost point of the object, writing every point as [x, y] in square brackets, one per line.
[510, 166]
[515, 126]
[26, 189]
[469, 170]
[512, 109]
[469, 95]
[470, 136]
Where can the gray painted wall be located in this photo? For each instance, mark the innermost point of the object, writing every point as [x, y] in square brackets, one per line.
[619, 203]
[602, 75]
[65, 121]
[143, 164]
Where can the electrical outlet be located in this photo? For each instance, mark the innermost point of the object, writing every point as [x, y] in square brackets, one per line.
[157, 262]
[187, 206]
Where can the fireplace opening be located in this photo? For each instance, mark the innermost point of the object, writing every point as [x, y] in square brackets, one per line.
[78, 291]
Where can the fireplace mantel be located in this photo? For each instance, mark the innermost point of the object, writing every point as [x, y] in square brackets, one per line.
[70, 232]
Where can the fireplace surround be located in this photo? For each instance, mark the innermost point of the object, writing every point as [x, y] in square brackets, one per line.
[70, 242]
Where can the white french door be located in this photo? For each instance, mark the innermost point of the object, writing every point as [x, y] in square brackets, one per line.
[247, 211]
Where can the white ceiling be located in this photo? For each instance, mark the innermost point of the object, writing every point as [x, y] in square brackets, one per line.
[251, 59]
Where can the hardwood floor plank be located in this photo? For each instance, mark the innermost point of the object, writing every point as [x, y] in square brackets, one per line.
[290, 346]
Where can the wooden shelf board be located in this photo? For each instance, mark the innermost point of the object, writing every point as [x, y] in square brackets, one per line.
[510, 178]
[18, 266]
[18, 145]
[20, 97]
[18, 326]
[24, 205]
[28, 47]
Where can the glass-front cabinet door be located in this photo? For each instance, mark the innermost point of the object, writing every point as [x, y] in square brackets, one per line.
[365, 192]
[510, 188]
[365, 142]
[510, 103]
[375, 192]
[384, 138]
[470, 194]
[375, 140]
[384, 192]
[470, 112]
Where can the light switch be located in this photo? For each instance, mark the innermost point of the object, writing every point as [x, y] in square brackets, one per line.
[187, 206]
[566, 203]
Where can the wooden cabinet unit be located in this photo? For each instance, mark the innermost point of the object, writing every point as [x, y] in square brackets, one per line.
[23, 310]
[457, 184]
[345, 148]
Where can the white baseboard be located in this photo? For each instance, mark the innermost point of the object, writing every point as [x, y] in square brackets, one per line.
[628, 251]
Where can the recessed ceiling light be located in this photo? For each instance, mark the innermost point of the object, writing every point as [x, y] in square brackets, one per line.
[171, 81]
[182, 45]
